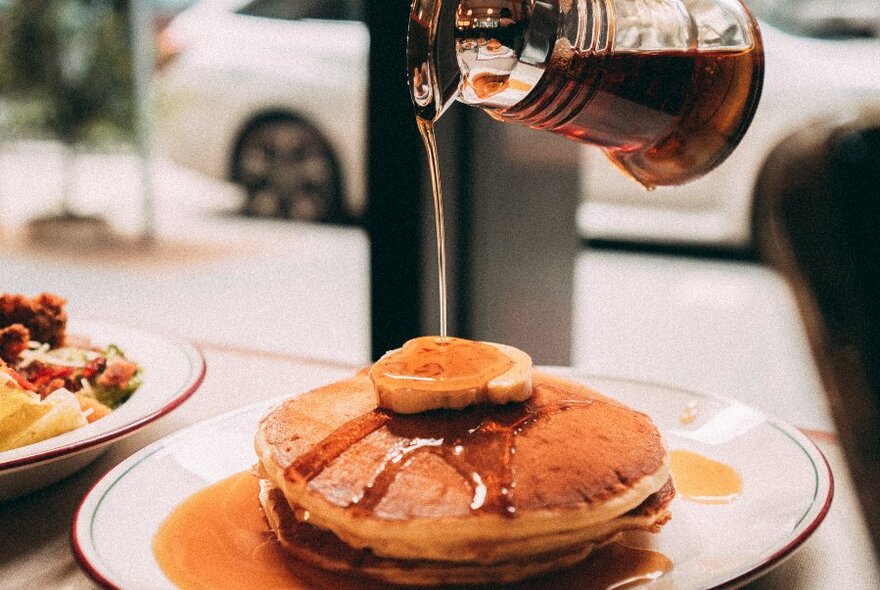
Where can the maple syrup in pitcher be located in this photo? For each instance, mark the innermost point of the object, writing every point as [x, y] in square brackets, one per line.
[662, 117]
[667, 89]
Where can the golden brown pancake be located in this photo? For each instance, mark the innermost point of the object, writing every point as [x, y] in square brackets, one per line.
[481, 494]
[323, 549]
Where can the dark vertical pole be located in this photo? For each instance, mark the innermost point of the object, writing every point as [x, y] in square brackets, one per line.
[453, 145]
[510, 195]
[522, 240]
[463, 224]
[393, 218]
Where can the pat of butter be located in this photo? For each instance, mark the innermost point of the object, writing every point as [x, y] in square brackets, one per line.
[431, 373]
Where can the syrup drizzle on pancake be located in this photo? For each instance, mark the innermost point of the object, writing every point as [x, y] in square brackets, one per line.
[479, 443]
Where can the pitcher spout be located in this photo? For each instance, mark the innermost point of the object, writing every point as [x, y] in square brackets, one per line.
[434, 76]
[486, 53]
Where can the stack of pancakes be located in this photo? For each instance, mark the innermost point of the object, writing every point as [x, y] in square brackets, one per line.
[484, 494]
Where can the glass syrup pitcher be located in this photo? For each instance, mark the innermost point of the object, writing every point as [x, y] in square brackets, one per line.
[666, 87]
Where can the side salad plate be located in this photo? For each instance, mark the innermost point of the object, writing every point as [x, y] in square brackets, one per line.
[168, 372]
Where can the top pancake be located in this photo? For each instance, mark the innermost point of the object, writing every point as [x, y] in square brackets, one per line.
[449, 484]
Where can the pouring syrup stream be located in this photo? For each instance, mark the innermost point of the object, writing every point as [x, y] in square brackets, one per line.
[426, 129]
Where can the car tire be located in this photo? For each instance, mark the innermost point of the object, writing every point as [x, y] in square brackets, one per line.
[288, 169]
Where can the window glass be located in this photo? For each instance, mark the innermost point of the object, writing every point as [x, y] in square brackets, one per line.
[305, 9]
[824, 19]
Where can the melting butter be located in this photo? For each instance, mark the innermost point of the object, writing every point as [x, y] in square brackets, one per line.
[433, 372]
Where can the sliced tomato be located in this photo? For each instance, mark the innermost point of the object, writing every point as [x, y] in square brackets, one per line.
[24, 383]
[49, 372]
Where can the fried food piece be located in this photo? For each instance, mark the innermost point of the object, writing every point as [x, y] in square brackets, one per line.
[13, 341]
[117, 374]
[44, 316]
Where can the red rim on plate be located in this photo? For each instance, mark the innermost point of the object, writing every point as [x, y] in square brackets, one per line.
[187, 388]
[788, 550]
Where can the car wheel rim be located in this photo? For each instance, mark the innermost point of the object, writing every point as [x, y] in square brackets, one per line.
[291, 162]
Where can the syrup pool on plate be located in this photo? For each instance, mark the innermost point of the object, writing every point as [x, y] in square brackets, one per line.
[701, 479]
[219, 539]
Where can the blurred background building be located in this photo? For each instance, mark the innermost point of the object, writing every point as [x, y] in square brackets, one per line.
[260, 114]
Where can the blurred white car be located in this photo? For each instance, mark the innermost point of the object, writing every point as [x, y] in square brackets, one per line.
[270, 94]
[830, 66]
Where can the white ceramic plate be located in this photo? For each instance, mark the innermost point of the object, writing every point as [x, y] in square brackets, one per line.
[787, 489]
[173, 370]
